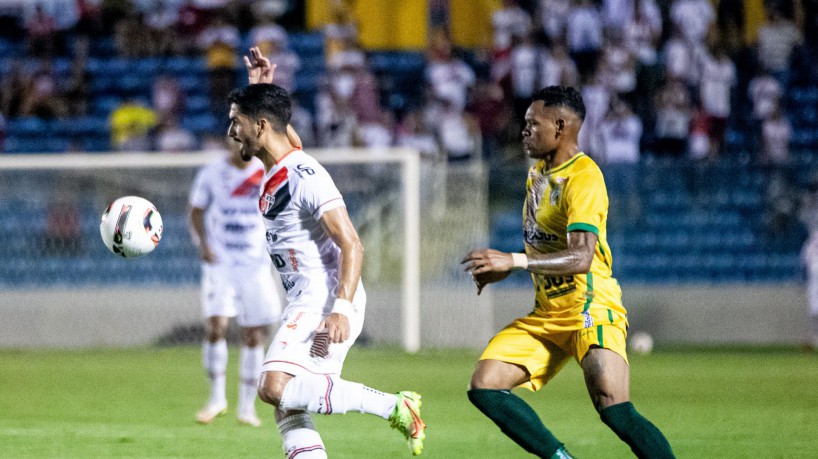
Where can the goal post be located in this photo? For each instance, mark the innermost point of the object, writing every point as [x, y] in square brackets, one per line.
[415, 218]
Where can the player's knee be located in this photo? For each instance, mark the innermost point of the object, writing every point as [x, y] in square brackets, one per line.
[271, 387]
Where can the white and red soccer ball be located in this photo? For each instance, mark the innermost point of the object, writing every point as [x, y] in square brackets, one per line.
[131, 227]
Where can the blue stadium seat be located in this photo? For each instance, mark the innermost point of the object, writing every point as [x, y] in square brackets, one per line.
[307, 44]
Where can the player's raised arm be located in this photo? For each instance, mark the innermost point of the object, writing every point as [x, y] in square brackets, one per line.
[339, 228]
[261, 70]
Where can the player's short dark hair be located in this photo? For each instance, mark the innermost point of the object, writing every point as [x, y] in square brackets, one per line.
[562, 96]
[266, 101]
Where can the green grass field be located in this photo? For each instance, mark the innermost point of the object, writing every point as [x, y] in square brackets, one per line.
[140, 403]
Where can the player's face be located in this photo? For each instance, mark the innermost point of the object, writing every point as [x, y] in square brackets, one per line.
[540, 137]
[242, 131]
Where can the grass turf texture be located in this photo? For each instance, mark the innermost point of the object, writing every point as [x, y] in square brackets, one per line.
[729, 403]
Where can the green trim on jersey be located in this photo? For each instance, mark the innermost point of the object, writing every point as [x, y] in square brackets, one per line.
[610, 315]
[602, 251]
[599, 335]
[563, 166]
[583, 227]
[589, 295]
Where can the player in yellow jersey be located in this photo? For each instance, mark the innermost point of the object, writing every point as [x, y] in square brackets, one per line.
[578, 308]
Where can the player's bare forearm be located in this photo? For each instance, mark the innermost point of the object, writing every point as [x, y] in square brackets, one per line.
[198, 233]
[576, 259]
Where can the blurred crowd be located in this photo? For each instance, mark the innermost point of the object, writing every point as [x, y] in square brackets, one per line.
[669, 77]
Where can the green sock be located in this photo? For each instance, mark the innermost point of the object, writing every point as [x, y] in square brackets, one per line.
[645, 440]
[517, 420]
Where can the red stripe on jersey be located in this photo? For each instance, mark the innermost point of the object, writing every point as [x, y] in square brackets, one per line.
[287, 154]
[297, 365]
[249, 186]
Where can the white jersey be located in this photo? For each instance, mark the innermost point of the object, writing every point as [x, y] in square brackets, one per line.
[234, 227]
[296, 192]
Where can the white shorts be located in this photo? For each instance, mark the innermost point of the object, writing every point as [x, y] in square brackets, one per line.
[247, 293]
[290, 349]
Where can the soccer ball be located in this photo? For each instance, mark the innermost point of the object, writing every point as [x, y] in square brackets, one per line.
[131, 227]
[641, 343]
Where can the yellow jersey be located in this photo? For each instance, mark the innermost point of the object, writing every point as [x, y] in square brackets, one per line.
[571, 197]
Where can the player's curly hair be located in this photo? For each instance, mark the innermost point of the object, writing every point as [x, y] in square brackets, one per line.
[266, 101]
[564, 96]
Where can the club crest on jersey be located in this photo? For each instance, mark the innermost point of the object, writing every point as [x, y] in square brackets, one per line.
[267, 203]
[556, 190]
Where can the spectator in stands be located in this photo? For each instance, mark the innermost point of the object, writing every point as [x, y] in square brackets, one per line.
[776, 132]
[190, 22]
[376, 131]
[13, 91]
[621, 134]
[41, 33]
[287, 64]
[510, 23]
[173, 138]
[553, 16]
[673, 112]
[131, 38]
[493, 115]
[302, 120]
[718, 78]
[458, 131]
[77, 91]
[557, 68]
[413, 133]
[220, 41]
[266, 34]
[596, 96]
[776, 41]
[526, 58]
[616, 14]
[693, 18]
[160, 19]
[765, 94]
[642, 34]
[42, 96]
[132, 125]
[341, 31]
[681, 60]
[584, 35]
[335, 120]
[449, 77]
[617, 67]
[167, 98]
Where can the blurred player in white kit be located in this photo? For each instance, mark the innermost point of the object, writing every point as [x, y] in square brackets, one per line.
[237, 277]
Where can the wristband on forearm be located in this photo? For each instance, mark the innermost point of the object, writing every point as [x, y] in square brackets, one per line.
[343, 306]
[520, 261]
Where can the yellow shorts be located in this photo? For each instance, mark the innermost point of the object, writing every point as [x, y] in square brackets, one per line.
[533, 343]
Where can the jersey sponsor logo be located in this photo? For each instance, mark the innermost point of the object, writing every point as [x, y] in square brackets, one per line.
[293, 324]
[250, 186]
[556, 286]
[275, 196]
[302, 169]
[533, 236]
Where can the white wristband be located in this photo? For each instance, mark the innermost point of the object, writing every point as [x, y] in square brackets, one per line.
[520, 260]
[344, 307]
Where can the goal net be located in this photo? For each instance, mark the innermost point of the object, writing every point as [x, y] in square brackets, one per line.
[62, 287]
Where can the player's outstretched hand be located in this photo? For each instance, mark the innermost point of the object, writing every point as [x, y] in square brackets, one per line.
[487, 266]
[259, 69]
[336, 326]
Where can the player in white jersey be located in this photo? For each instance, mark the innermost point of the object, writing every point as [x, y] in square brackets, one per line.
[227, 228]
[319, 256]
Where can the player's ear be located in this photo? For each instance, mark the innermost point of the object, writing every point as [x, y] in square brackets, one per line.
[261, 125]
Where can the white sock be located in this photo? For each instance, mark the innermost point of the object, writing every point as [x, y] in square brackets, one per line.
[249, 371]
[300, 438]
[324, 394]
[214, 358]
